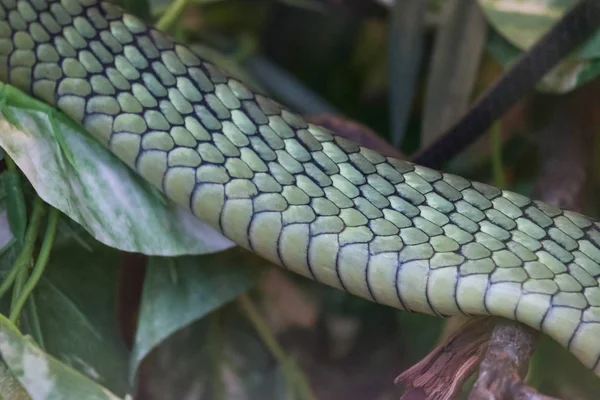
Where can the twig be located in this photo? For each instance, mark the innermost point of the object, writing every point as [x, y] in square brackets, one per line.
[442, 373]
[506, 363]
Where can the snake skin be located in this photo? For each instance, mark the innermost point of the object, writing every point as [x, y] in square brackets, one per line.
[387, 230]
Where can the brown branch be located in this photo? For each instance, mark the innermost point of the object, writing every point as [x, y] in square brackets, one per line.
[442, 373]
[506, 363]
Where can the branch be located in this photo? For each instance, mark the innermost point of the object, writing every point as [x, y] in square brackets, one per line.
[506, 363]
[442, 373]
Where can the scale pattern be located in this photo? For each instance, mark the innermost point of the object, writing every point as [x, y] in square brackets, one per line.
[387, 230]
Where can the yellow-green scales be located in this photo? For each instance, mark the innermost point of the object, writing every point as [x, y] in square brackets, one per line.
[384, 229]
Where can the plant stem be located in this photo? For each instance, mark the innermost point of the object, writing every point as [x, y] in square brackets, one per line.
[294, 375]
[30, 236]
[40, 265]
[171, 14]
[34, 322]
[20, 280]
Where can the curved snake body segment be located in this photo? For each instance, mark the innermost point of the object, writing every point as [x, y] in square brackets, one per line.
[387, 230]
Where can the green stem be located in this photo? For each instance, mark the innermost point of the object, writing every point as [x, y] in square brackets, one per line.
[294, 376]
[497, 164]
[9, 279]
[20, 280]
[34, 322]
[25, 256]
[40, 264]
[171, 14]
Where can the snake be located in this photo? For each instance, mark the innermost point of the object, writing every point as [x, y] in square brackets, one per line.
[388, 230]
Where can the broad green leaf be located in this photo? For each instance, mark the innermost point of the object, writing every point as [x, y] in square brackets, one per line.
[453, 70]
[107, 198]
[75, 313]
[41, 375]
[522, 23]
[194, 287]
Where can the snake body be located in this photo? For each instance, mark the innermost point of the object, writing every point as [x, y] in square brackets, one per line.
[388, 230]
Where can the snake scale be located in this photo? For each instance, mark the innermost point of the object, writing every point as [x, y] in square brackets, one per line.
[388, 230]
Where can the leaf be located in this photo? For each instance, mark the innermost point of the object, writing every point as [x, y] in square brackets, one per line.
[75, 313]
[114, 204]
[453, 70]
[43, 376]
[522, 23]
[195, 287]
[405, 48]
[10, 388]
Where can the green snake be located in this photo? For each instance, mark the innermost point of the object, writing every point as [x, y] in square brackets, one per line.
[324, 207]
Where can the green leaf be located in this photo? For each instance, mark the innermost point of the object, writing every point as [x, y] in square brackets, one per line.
[453, 70]
[41, 375]
[195, 287]
[75, 313]
[405, 48]
[107, 198]
[521, 24]
[10, 388]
